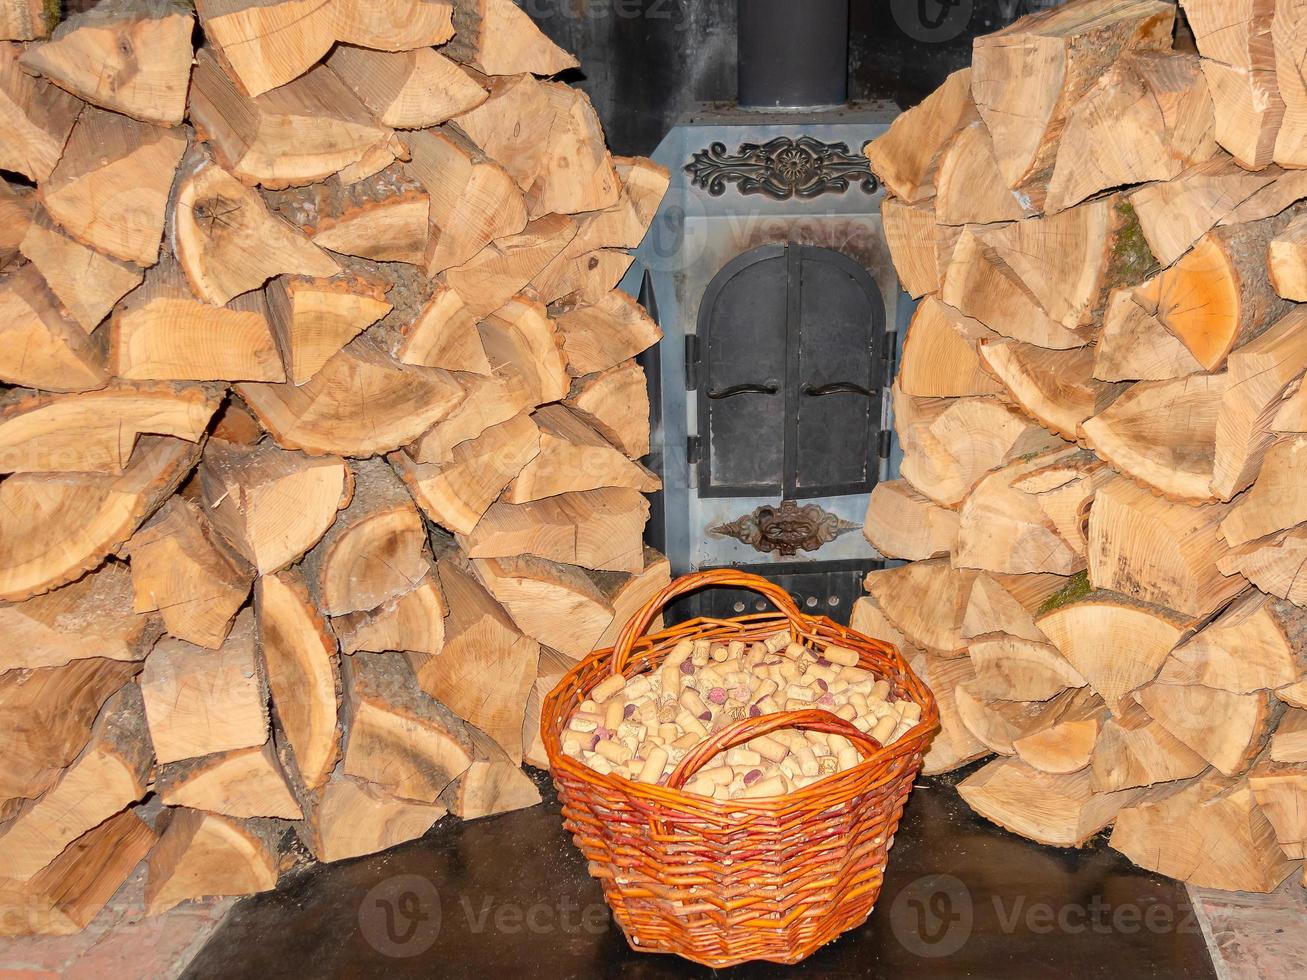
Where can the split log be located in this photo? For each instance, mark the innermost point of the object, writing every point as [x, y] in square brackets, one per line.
[272, 505]
[949, 445]
[1276, 501]
[1027, 78]
[414, 623]
[228, 242]
[414, 89]
[954, 746]
[87, 516]
[110, 189]
[40, 346]
[1163, 434]
[1273, 564]
[615, 403]
[1288, 261]
[489, 401]
[553, 665]
[1134, 751]
[373, 553]
[305, 131]
[574, 458]
[1289, 37]
[1209, 832]
[442, 335]
[1147, 118]
[474, 201]
[1260, 375]
[603, 335]
[632, 595]
[110, 773]
[1174, 214]
[87, 283]
[506, 266]
[906, 157]
[970, 189]
[1013, 669]
[27, 20]
[902, 523]
[267, 44]
[92, 617]
[1028, 517]
[1159, 551]
[390, 404]
[1135, 346]
[17, 212]
[348, 818]
[940, 354]
[493, 784]
[456, 493]
[576, 277]
[241, 783]
[185, 571]
[1248, 110]
[161, 332]
[910, 233]
[1289, 743]
[37, 118]
[96, 431]
[599, 529]
[1115, 642]
[384, 217]
[1292, 413]
[1219, 295]
[314, 318]
[1062, 811]
[999, 725]
[521, 339]
[1068, 746]
[1008, 604]
[1228, 730]
[67, 894]
[1281, 792]
[487, 667]
[46, 719]
[496, 37]
[202, 854]
[398, 738]
[562, 606]
[199, 702]
[124, 55]
[926, 601]
[299, 660]
[1056, 388]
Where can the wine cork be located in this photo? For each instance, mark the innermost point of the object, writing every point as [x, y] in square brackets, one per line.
[777, 641]
[769, 748]
[692, 702]
[686, 741]
[880, 690]
[680, 653]
[884, 729]
[740, 756]
[796, 692]
[598, 763]
[846, 711]
[806, 761]
[842, 656]
[614, 752]
[736, 648]
[911, 712]
[614, 714]
[690, 723]
[795, 651]
[790, 670]
[776, 785]
[719, 654]
[584, 723]
[606, 688]
[653, 767]
[847, 758]
[639, 686]
[669, 733]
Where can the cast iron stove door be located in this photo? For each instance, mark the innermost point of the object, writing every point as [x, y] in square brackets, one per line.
[790, 385]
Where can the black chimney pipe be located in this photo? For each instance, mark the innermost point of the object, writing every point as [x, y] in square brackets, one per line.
[793, 53]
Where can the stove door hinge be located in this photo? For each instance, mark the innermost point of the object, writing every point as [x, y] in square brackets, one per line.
[883, 443]
[692, 362]
[891, 358]
[693, 450]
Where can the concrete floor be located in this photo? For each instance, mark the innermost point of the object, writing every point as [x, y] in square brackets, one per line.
[509, 896]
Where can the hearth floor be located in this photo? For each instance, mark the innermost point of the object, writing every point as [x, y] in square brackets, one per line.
[509, 897]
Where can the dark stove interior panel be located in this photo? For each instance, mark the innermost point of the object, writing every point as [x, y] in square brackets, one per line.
[828, 589]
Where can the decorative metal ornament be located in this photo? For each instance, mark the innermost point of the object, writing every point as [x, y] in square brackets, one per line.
[782, 168]
[786, 530]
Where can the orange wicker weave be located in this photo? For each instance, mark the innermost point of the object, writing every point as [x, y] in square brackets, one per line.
[726, 882]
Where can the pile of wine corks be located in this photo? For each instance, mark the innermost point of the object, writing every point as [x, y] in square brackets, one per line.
[643, 726]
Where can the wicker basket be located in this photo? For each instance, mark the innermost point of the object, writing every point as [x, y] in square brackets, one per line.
[722, 883]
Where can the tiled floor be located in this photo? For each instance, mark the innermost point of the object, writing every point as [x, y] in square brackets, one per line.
[509, 897]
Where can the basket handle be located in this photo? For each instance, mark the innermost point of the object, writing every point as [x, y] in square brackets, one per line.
[814, 720]
[690, 583]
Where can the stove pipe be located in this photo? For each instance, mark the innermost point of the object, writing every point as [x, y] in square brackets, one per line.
[793, 53]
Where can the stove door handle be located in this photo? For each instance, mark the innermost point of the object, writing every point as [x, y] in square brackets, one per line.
[839, 387]
[733, 390]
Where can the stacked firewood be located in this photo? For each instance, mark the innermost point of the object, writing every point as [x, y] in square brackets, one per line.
[320, 431]
[1105, 430]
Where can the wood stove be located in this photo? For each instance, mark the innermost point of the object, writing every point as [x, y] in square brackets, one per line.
[771, 279]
